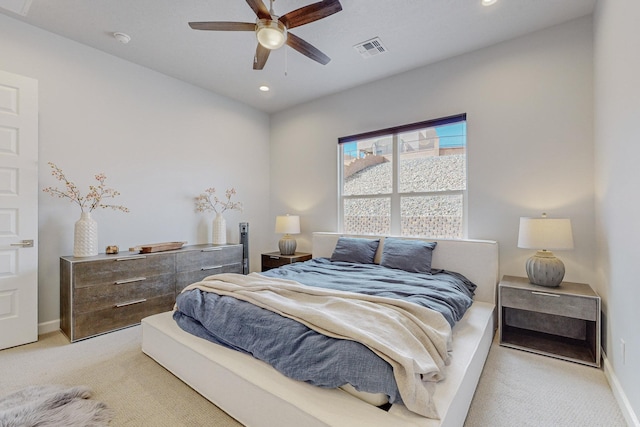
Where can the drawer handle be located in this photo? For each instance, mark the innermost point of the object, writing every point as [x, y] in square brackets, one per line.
[545, 294]
[124, 304]
[135, 279]
[274, 257]
[132, 258]
[211, 249]
[212, 267]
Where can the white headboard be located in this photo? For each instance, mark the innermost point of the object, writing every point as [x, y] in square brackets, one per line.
[477, 260]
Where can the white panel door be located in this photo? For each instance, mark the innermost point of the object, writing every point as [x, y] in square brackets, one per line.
[18, 210]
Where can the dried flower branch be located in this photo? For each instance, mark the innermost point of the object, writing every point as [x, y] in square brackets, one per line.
[208, 201]
[94, 197]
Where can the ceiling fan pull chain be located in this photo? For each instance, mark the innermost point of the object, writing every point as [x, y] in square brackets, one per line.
[285, 61]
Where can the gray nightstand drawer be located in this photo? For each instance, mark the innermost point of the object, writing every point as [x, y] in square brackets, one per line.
[543, 301]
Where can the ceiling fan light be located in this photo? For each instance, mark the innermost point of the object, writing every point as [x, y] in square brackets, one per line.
[271, 34]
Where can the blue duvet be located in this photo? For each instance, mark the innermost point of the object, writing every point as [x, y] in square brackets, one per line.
[305, 355]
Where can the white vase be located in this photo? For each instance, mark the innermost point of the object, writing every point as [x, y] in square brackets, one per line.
[219, 230]
[85, 236]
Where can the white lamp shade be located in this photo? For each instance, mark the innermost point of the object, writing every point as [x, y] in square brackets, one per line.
[288, 224]
[545, 233]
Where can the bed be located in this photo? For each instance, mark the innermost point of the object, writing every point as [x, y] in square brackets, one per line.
[257, 395]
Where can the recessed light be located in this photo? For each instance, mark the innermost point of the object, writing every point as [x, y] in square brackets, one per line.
[264, 88]
[488, 2]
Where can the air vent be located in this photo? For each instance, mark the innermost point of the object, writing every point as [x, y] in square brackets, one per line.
[370, 48]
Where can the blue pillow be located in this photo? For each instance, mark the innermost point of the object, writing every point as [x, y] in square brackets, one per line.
[351, 249]
[408, 255]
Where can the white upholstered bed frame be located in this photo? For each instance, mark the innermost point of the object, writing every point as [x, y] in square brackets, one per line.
[255, 394]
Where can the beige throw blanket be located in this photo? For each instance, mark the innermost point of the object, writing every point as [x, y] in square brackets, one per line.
[414, 340]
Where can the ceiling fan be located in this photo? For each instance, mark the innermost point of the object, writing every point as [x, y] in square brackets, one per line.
[272, 31]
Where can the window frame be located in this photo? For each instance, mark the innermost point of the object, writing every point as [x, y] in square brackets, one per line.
[395, 197]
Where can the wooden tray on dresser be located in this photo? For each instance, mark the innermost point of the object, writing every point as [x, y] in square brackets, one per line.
[157, 247]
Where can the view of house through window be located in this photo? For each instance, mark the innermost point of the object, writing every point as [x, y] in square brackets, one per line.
[409, 181]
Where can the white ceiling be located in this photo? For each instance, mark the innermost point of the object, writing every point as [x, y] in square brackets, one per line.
[415, 32]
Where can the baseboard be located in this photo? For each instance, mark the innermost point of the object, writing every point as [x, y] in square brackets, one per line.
[46, 327]
[627, 411]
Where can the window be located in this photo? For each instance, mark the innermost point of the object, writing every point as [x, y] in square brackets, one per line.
[409, 180]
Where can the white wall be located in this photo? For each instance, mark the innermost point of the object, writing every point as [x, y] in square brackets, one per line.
[617, 137]
[160, 142]
[529, 105]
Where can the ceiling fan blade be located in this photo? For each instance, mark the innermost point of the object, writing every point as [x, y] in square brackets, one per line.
[223, 26]
[310, 13]
[306, 49]
[262, 54]
[259, 8]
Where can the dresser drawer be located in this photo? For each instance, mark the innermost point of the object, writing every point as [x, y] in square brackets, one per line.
[122, 269]
[542, 301]
[209, 258]
[91, 298]
[186, 278]
[118, 316]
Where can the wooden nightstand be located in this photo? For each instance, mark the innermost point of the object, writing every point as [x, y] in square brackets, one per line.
[561, 322]
[274, 259]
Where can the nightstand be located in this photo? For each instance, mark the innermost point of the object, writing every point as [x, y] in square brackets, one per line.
[274, 259]
[561, 322]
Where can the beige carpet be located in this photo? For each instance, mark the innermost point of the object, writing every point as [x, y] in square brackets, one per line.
[524, 389]
[516, 388]
[141, 392]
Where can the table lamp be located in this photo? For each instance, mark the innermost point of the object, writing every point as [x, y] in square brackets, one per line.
[545, 234]
[287, 224]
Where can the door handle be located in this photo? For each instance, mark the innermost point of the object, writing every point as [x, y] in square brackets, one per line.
[24, 244]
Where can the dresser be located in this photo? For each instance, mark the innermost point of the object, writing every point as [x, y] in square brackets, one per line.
[107, 292]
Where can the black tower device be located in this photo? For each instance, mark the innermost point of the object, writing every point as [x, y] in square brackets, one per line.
[244, 239]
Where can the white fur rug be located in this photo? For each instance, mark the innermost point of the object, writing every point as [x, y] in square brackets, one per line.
[49, 406]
